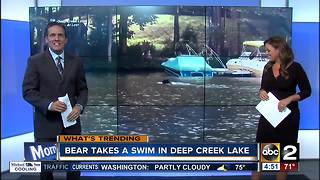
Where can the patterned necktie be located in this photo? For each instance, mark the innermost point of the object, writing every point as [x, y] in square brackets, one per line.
[59, 65]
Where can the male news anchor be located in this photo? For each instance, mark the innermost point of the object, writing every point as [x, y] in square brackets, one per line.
[49, 75]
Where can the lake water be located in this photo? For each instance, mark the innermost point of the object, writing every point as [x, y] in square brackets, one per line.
[191, 110]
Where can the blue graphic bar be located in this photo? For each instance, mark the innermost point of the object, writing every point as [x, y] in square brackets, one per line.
[157, 152]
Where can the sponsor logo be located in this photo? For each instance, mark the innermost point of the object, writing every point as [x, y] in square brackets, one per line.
[28, 167]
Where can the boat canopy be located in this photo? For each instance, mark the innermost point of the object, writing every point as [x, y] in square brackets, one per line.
[253, 43]
[188, 63]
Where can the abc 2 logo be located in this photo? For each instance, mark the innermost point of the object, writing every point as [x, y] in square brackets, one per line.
[276, 152]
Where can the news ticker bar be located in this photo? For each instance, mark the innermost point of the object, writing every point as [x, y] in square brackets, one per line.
[49, 166]
[103, 138]
[156, 152]
[129, 148]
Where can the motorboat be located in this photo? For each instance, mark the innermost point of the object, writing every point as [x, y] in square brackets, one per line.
[253, 58]
[196, 64]
[220, 69]
[188, 66]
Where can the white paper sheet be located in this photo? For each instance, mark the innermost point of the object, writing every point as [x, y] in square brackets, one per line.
[269, 109]
[65, 114]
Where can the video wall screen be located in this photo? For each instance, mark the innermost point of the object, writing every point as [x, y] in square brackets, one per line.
[176, 73]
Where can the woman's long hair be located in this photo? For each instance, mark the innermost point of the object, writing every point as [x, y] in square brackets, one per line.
[285, 54]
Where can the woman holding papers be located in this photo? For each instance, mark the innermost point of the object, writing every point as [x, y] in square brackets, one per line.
[281, 76]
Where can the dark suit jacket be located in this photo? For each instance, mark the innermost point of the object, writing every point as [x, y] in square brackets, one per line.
[43, 84]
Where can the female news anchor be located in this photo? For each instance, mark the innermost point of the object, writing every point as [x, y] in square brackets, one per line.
[281, 76]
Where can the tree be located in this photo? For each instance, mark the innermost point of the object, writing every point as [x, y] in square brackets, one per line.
[137, 16]
[176, 34]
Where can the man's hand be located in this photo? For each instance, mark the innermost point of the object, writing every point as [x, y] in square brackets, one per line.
[58, 106]
[75, 113]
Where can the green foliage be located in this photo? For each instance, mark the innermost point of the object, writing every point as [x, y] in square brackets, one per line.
[189, 35]
[141, 50]
[169, 49]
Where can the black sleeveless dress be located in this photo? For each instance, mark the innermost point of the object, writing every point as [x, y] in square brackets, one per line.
[287, 130]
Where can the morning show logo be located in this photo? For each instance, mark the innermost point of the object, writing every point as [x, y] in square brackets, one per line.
[276, 152]
[39, 151]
